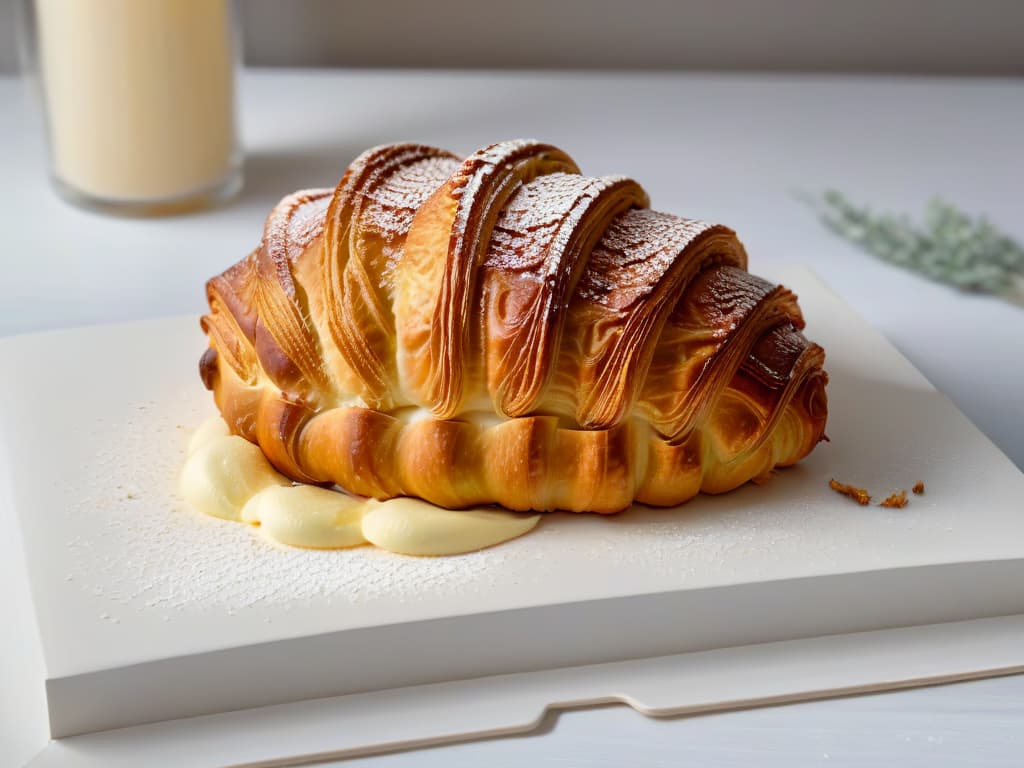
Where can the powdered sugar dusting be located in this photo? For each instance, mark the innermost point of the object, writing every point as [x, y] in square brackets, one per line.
[148, 553]
[635, 252]
[481, 171]
[306, 222]
[158, 555]
[388, 208]
[533, 231]
[294, 223]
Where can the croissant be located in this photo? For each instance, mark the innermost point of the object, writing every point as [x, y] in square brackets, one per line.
[502, 329]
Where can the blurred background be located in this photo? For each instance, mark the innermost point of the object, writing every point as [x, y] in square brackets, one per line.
[947, 37]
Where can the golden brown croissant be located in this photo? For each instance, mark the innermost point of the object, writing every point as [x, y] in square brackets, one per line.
[501, 329]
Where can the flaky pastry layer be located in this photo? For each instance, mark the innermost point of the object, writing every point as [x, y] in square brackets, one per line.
[502, 329]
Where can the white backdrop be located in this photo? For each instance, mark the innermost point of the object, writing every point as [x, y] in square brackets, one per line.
[911, 36]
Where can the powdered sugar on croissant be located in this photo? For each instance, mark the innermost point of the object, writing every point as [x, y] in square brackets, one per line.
[501, 329]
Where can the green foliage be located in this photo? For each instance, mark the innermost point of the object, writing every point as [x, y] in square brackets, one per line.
[948, 247]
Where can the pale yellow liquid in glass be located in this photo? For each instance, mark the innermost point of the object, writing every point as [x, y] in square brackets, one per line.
[139, 95]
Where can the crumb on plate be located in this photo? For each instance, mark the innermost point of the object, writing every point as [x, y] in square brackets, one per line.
[897, 500]
[859, 495]
[918, 488]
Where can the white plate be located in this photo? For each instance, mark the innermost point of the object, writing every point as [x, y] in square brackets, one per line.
[148, 611]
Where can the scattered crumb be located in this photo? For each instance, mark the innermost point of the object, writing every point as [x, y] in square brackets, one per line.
[918, 488]
[859, 495]
[897, 500]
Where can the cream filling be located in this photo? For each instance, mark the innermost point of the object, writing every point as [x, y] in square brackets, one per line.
[307, 516]
[227, 476]
[207, 432]
[416, 527]
[224, 472]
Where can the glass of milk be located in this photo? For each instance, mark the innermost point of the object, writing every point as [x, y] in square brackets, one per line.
[139, 98]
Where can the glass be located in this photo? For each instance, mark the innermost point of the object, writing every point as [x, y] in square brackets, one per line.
[139, 99]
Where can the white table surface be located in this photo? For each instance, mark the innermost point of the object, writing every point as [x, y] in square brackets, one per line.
[730, 149]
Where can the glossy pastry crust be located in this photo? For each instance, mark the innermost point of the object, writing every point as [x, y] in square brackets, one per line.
[502, 329]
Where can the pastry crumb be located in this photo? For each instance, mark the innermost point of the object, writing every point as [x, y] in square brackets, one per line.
[897, 500]
[860, 495]
[918, 488]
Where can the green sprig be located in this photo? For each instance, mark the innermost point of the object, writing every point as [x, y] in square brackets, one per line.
[949, 247]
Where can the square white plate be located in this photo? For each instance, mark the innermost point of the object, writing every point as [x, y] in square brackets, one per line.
[134, 593]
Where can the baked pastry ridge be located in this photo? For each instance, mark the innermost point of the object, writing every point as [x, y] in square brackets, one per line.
[502, 329]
